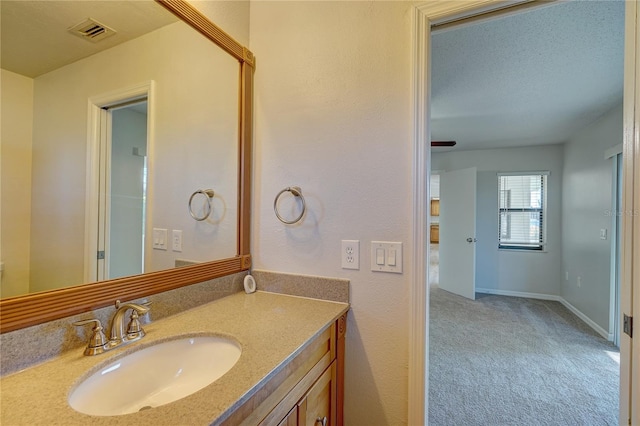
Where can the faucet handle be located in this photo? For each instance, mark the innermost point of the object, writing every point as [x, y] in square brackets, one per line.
[98, 341]
[134, 329]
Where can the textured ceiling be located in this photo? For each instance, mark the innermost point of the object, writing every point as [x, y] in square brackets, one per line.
[35, 39]
[527, 79]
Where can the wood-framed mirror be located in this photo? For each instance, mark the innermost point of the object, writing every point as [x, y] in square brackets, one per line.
[35, 308]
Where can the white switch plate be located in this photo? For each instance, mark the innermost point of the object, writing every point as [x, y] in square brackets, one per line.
[603, 234]
[176, 240]
[389, 263]
[159, 239]
[350, 254]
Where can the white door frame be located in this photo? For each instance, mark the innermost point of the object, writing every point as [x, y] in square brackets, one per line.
[613, 154]
[630, 244]
[438, 11]
[96, 126]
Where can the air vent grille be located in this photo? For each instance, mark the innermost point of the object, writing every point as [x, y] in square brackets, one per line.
[92, 30]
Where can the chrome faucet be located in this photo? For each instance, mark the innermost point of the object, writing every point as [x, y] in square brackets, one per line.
[98, 343]
[118, 336]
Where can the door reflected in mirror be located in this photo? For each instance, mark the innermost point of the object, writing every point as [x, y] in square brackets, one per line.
[66, 221]
[127, 193]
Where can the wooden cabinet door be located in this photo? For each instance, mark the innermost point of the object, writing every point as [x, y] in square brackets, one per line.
[318, 407]
[435, 234]
[435, 207]
[291, 419]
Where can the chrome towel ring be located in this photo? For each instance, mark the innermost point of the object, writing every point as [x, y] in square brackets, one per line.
[208, 193]
[297, 192]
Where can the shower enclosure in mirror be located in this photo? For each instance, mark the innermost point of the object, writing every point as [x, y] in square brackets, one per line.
[103, 143]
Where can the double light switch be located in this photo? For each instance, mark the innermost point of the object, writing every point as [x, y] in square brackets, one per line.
[386, 256]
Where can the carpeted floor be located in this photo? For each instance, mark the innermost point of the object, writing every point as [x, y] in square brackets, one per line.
[514, 361]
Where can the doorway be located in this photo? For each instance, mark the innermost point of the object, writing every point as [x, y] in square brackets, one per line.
[524, 261]
[441, 13]
[118, 182]
[434, 230]
[124, 195]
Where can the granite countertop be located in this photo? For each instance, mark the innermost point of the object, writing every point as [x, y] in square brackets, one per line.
[271, 328]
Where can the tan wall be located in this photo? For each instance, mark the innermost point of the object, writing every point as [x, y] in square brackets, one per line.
[17, 118]
[333, 116]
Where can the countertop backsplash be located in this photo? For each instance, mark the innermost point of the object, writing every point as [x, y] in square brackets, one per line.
[30, 346]
[312, 286]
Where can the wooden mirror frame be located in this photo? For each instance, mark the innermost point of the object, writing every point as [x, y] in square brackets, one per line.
[24, 311]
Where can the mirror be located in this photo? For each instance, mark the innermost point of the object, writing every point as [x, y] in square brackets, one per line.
[195, 135]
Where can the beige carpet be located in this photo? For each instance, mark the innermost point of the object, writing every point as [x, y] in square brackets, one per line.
[514, 361]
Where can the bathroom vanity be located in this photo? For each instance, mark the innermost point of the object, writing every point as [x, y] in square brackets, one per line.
[290, 371]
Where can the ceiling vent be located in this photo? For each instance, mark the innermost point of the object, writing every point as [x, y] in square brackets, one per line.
[92, 30]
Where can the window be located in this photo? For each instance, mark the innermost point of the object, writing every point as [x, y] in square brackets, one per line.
[522, 210]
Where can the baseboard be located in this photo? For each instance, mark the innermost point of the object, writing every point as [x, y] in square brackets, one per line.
[520, 294]
[601, 331]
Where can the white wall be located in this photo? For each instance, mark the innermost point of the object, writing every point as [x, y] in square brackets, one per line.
[587, 198]
[333, 116]
[184, 155]
[504, 270]
[434, 184]
[231, 16]
[17, 119]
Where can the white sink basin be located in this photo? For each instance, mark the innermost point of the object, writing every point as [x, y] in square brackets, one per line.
[155, 375]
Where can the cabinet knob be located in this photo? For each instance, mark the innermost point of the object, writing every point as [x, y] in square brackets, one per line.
[322, 421]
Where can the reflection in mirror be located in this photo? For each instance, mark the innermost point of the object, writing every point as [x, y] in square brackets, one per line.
[127, 192]
[76, 182]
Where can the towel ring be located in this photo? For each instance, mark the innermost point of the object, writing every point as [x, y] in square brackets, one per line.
[207, 193]
[297, 192]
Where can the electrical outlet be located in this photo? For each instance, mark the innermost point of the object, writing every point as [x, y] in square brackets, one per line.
[176, 241]
[566, 275]
[350, 254]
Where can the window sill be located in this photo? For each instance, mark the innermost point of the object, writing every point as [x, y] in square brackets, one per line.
[544, 250]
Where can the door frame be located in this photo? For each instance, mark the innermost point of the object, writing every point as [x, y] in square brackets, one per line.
[440, 11]
[97, 125]
[614, 155]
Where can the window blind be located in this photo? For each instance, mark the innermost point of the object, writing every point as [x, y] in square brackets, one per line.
[522, 210]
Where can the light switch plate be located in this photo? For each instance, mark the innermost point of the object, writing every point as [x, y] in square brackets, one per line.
[386, 256]
[159, 239]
